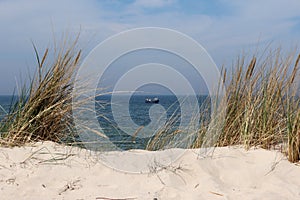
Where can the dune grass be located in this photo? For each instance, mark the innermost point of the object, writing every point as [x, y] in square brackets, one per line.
[43, 111]
[263, 104]
[262, 107]
[262, 96]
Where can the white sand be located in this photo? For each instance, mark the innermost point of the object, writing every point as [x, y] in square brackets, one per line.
[50, 171]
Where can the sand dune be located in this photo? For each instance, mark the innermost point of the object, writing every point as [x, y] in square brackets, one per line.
[51, 171]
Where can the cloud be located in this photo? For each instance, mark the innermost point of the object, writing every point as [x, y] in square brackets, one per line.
[23, 21]
[267, 9]
[222, 33]
[153, 3]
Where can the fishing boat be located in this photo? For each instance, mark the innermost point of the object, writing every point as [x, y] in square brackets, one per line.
[154, 100]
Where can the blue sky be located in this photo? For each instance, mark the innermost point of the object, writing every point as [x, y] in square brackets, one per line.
[225, 28]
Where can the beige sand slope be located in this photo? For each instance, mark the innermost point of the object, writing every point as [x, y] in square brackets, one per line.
[50, 171]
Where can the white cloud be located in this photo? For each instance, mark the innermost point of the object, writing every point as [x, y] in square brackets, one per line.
[249, 22]
[153, 3]
[267, 9]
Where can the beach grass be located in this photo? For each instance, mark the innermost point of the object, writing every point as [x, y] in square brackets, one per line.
[43, 111]
[262, 105]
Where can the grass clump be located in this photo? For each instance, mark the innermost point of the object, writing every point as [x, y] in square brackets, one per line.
[262, 108]
[263, 104]
[43, 111]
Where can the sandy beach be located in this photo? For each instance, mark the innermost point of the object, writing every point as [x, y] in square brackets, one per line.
[51, 171]
[149, 78]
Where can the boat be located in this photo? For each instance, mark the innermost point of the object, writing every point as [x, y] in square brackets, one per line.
[154, 100]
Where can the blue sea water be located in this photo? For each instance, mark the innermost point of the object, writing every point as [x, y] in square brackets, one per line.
[5, 103]
[139, 116]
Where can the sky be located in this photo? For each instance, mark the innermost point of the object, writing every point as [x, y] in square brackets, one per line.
[225, 28]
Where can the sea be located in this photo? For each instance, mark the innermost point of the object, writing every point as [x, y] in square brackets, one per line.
[5, 103]
[129, 122]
